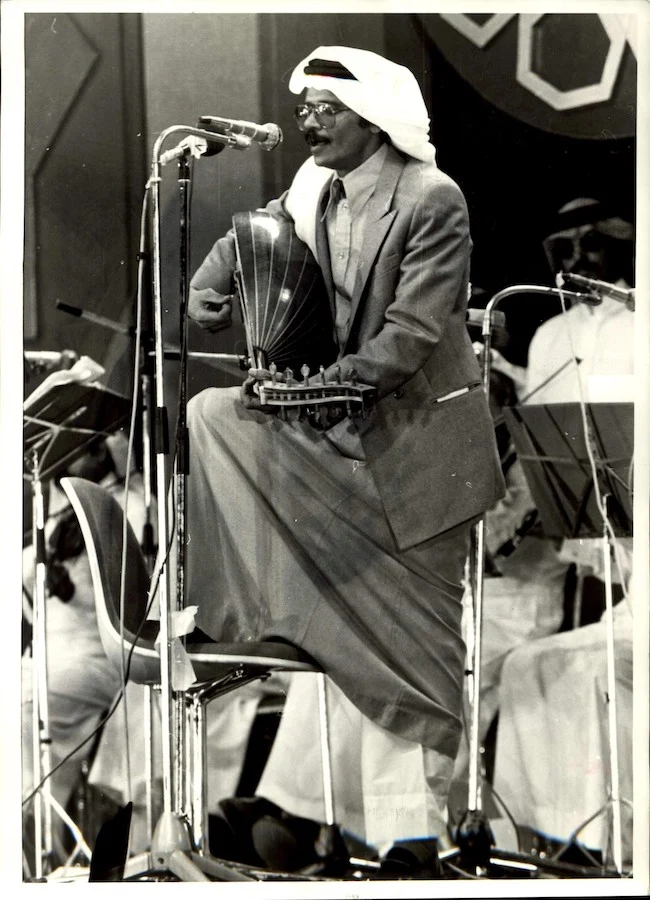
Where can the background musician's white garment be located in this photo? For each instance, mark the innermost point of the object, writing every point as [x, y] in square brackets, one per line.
[602, 337]
[385, 788]
[552, 760]
[82, 683]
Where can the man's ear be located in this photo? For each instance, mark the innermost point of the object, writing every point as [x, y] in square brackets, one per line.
[364, 123]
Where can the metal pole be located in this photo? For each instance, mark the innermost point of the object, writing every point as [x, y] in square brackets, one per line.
[617, 838]
[474, 791]
[181, 456]
[41, 740]
[162, 448]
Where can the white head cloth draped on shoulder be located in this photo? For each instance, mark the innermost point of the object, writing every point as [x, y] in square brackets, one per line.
[381, 91]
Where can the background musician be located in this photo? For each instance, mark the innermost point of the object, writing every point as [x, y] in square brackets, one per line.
[552, 755]
[81, 682]
[351, 541]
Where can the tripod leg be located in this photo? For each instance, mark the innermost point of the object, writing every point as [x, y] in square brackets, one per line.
[185, 868]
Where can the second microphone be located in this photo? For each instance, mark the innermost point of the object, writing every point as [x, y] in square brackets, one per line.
[268, 136]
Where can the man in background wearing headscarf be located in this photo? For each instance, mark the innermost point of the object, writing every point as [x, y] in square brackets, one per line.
[591, 242]
[351, 541]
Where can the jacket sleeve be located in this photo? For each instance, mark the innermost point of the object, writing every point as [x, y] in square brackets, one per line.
[217, 269]
[431, 286]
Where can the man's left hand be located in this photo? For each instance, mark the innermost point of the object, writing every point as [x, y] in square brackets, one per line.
[249, 393]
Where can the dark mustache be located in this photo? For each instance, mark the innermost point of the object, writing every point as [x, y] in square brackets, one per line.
[313, 136]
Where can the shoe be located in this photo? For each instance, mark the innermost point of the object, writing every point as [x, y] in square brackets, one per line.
[230, 828]
[412, 859]
[286, 843]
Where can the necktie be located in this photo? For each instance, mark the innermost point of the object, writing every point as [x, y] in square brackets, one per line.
[340, 235]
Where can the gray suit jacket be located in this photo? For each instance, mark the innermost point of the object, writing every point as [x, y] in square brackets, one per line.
[434, 460]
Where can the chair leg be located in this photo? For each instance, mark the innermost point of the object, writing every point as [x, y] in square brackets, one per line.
[196, 774]
[148, 759]
[326, 766]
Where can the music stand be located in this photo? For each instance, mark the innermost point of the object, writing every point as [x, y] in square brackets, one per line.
[550, 442]
[60, 422]
[561, 467]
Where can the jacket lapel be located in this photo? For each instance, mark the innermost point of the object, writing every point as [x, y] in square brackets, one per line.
[380, 218]
[322, 248]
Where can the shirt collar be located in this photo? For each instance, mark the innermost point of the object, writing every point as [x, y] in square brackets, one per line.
[364, 177]
[360, 182]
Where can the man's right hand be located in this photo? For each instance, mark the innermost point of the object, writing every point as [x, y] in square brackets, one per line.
[210, 310]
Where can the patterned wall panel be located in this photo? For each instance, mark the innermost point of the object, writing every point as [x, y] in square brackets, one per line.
[84, 171]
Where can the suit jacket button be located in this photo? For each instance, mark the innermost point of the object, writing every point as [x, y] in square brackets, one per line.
[399, 393]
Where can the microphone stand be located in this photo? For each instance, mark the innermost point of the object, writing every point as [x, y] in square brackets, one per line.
[474, 837]
[171, 841]
[181, 455]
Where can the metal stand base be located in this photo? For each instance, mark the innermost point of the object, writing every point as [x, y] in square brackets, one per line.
[172, 855]
[477, 856]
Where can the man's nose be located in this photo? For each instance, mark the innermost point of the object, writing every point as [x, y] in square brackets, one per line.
[579, 263]
[311, 121]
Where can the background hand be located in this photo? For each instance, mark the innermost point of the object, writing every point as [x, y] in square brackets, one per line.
[210, 310]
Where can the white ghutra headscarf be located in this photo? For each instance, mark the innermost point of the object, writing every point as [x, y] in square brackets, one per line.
[381, 91]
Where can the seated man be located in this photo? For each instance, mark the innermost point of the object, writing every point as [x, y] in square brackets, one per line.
[81, 682]
[553, 753]
[350, 541]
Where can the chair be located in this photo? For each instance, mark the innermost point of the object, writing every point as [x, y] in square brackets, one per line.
[219, 668]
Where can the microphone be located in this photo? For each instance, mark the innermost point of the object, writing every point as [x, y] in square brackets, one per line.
[193, 145]
[602, 288]
[267, 136]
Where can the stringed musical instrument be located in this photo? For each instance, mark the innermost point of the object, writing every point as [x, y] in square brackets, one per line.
[288, 321]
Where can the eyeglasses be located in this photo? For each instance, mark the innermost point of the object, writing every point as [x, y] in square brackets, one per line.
[324, 113]
[563, 248]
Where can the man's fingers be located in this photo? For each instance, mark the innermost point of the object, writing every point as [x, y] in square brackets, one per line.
[210, 310]
[265, 375]
[213, 317]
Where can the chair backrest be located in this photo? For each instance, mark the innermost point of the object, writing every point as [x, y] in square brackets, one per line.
[101, 520]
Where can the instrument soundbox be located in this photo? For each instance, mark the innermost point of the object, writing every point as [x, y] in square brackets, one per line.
[288, 320]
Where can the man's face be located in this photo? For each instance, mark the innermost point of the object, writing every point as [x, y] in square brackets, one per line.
[582, 251]
[344, 145]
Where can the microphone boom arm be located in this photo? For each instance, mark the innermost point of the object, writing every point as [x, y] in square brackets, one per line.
[233, 141]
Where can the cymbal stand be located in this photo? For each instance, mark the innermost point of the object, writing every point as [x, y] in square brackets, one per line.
[474, 835]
